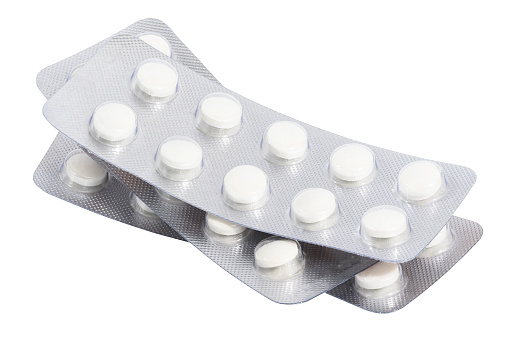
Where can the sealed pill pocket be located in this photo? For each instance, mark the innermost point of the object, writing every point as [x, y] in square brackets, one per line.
[239, 182]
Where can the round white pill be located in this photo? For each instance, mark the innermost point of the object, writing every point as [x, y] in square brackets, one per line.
[113, 123]
[420, 180]
[181, 154]
[157, 79]
[380, 275]
[84, 171]
[276, 253]
[441, 236]
[351, 162]
[222, 226]
[384, 222]
[220, 110]
[245, 184]
[158, 42]
[313, 205]
[179, 159]
[285, 139]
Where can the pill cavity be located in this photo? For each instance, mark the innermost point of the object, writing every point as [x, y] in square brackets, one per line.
[155, 81]
[441, 243]
[380, 276]
[219, 115]
[141, 208]
[113, 124]
[314, 209]
[179, 159]
[421, 181]
[222, 226]
[158, 42]
[82, 173]
[246, 188]
[385, 226]
[285, 142]
[352, 165]
[224, 231]
[278, 258]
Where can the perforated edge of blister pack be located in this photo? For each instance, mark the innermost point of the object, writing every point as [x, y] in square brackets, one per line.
[419, 274]
[107, 77]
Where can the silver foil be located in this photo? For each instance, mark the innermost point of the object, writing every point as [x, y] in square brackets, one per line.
[325, 268]
[106, 77]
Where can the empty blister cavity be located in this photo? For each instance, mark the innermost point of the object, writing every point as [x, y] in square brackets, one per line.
[155, 81]
[113, 124]
[381, 280]
[352, 165]
[82, 173]
[157, 41]
[421, 182]
[278, 258]
[140, 207]
[314, 209]
[285, 143]
[385, 226]
[225, 232]
[219, 115]
[179, 159]
[440, 244]
[246, 188]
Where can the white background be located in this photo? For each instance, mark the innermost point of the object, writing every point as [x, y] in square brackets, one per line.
[429, 79]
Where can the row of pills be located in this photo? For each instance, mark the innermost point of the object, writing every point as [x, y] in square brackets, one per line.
[275, 258]
[220, 114]
[247, 187]
[278, 258]
[314, 209]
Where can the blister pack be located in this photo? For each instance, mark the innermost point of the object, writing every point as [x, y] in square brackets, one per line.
[115, 202]
[387, 287]
[151, 117]
[304, 273]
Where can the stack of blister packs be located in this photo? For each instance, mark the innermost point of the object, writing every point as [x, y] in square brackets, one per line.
[150, 138]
